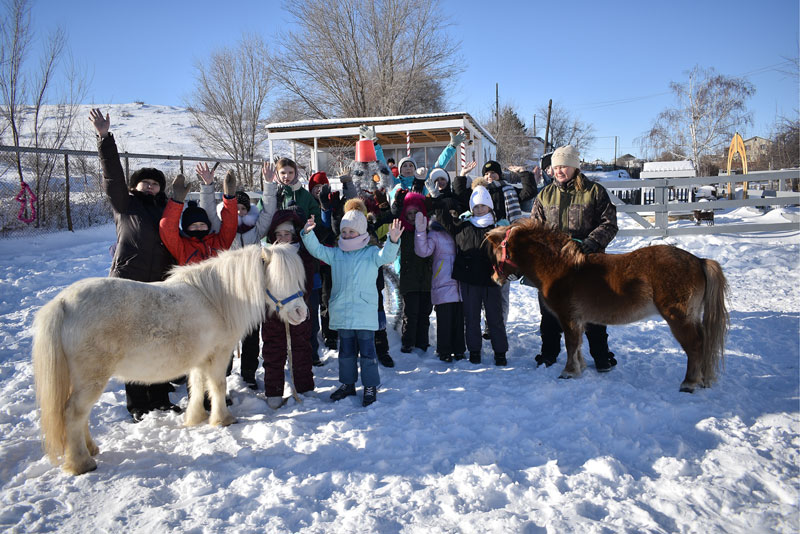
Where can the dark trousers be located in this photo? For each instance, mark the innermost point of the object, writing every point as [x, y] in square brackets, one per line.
[550, 330]
[313, 307]
[417, 309]
[250, 350]
[324, 298]
[473, 297]
[275, 354]
[146, 397]
[450, 328]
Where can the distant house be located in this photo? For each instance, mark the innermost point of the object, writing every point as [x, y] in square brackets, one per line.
[756, 147]
[332, 141]
[668, 169]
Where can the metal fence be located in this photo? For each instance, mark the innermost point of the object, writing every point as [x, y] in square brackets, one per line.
[67, 186]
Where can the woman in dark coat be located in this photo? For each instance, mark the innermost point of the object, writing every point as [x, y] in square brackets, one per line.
[139, 253]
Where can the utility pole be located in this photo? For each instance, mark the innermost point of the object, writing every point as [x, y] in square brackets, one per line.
[497, 108]
[615, 151]
[547, 128]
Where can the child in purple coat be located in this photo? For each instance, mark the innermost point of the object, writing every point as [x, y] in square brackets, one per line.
[445, 292]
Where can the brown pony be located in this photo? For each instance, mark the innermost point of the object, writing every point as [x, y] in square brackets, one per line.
[687, 291]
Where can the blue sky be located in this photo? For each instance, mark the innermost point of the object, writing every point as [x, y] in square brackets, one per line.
[609, 63]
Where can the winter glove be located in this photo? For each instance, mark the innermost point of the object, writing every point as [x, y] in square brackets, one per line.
[420, 224]
[334, 200]
[381, 199]
[367, 132]
[229, 185]
[179, 189]
[458, 138]
[348, 188]
[418, 185]
[433, 189]
[421, 173]
[325, 197]
[589, 246]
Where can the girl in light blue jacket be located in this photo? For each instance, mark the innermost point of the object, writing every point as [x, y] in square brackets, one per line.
[353, 305]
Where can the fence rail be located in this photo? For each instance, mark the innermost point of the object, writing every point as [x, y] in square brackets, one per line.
[662, 208]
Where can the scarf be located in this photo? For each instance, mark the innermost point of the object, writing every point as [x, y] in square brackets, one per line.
[483, 221]
[356, 243]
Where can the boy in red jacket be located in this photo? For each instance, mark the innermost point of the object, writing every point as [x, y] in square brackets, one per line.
[197, 243]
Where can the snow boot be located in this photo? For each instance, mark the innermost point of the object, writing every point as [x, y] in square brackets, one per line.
[546, 360]
[370, 395]
[500, 359]
[474, 357]
[385, 360]
[345, 390]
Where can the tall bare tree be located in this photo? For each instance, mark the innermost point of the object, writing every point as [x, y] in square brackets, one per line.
[566, 129]
[31, 101]
[229, 103]
[709, 109]
[357, 58]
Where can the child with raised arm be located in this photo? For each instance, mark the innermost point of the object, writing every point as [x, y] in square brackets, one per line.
[354, 296]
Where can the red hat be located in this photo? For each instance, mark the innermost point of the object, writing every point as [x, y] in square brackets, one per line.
[318, 178]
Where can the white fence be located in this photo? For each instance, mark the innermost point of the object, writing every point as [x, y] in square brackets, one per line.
[664, 195]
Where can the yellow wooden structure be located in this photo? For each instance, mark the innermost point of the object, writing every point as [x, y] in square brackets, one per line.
[737, 147]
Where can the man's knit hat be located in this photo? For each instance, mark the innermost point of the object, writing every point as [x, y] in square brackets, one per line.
[566, 156]
[147, 173]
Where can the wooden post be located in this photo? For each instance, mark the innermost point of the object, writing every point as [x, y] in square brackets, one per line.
[127, 169]
[547, 128]
[66, 193]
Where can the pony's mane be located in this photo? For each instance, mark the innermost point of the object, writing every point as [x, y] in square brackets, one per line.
[233, 283]
[527, 233]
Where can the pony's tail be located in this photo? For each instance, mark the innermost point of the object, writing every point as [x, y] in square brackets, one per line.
[715, 320]
[51, 374]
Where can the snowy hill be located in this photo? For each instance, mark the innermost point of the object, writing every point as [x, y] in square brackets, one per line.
[447, 447]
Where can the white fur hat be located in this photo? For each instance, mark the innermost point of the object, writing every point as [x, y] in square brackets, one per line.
[480, 195]
[285, 226]
[567, 156]
[354, 219]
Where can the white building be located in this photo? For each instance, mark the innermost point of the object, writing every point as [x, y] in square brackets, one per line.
[668, 169]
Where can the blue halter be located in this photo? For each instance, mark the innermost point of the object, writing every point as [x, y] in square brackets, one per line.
[281, 303]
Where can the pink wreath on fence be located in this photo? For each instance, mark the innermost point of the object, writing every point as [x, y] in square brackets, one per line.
[24, 196]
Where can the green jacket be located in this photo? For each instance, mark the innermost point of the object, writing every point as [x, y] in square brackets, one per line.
[288, 197]
[581, 214]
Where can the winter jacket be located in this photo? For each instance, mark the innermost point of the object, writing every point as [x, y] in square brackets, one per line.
[438, 243]
[263, 218]
[288, 196]
[353, 303]
[581, 214]
[140, 254]
[191, 249]
[415, 271]
[407, 182]
[472, 264]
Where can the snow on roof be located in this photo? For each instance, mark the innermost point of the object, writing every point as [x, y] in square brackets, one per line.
[661, 166]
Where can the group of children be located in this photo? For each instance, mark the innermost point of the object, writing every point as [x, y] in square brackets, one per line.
[437, 230]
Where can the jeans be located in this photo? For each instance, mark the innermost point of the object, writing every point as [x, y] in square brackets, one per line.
[351, 343]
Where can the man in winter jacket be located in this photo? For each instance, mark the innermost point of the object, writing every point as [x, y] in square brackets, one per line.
[139, 253]
[583, 210]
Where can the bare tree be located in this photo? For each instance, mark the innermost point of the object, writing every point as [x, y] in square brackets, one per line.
[229, 103]
[27, 104]
[710, 108]
[566, 129]
[369, 57]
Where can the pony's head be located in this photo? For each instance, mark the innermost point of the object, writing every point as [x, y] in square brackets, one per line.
[531, 248]
[285, 279]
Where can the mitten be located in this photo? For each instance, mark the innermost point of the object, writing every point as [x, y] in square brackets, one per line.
[229, 185]
[348, 188]
[589, 246]
[179, 188]
[421, 173]
[324, 197]
[381, 199]
[419, 222]
[458, 138]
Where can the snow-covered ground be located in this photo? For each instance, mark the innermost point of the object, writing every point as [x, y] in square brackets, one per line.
[448, 447]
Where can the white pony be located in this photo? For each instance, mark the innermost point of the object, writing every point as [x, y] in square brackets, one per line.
[153, 332]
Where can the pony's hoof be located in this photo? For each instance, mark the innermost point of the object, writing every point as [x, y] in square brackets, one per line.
[194, 418]
[225, 421]
[565, 376]
[79, 468]
[687, 389]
